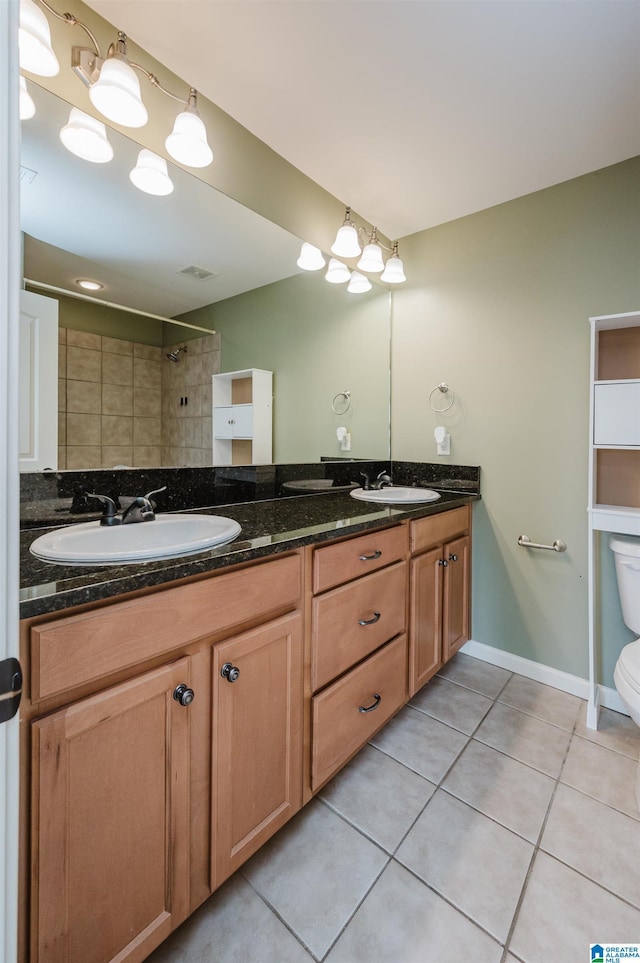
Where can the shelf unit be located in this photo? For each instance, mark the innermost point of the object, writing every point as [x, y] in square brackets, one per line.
[614, 456]
[242, 417]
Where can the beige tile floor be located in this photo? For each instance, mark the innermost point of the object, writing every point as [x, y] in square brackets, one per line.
[483, 822]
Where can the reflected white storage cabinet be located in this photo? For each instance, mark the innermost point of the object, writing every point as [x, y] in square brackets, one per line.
[614, 464]
[243, 417]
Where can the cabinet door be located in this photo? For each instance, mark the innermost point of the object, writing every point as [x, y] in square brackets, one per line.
[425, 651]
[242, 421]
[257, 740]
[110, 822]
[223, 422]
[455, 614]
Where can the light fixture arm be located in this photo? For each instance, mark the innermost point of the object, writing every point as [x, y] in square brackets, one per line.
[73, 21]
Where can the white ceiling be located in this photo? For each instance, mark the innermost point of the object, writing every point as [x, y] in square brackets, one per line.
[414, 112]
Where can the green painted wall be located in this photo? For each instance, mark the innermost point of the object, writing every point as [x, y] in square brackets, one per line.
[318, 340]
[111, 322]
[498, 306]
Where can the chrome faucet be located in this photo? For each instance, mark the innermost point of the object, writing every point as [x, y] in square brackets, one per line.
[141, 508]
[382, 480]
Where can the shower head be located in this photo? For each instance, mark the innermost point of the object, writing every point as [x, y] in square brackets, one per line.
[175, 355]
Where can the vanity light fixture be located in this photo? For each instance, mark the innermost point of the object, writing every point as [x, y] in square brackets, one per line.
[151, 175]
[347, 245]
[114, 88]
[86, 137]
[27, 106]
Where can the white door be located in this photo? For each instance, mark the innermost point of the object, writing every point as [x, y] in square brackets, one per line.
[38, 383]
[9, 500]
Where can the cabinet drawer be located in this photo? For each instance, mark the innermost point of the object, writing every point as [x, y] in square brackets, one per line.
[339, 637]
[340, 728]
[346, 560]
[78, 649]
[426, 532]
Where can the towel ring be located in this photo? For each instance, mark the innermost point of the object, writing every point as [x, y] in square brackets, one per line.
[343, 406]
[444, 388]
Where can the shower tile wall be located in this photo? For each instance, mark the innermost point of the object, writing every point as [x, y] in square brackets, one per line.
[186, 403]
[112, 404]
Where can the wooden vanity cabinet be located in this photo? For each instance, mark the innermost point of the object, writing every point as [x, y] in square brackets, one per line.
[139, 805]
[257, 740]
[358, 644]
[439, 592]
[110, 817]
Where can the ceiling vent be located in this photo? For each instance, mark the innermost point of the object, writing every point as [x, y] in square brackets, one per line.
[197, 273]
[27, 176]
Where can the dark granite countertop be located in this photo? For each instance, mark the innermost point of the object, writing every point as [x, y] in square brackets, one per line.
[269, 526]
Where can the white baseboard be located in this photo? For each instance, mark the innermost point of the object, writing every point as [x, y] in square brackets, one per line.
[573, 684]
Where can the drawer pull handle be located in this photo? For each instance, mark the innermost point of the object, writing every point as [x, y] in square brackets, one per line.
[184, 695]
[453, 558]
[371, 558]
[374, 705]
[443, 562]
[376, 618]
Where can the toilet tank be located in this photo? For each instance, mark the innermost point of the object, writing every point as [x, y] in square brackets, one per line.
[626, 551]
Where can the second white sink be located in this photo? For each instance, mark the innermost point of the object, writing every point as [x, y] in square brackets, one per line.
[168, 536]
[396, 495]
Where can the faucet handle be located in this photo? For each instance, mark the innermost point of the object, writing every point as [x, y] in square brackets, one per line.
[110, 511]
[155, 492]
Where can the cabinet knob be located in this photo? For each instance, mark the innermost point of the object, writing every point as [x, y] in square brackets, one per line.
[443, 562]
[230, 672]
[184, 695]
[453, 558]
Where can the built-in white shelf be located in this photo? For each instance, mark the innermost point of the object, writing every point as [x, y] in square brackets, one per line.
[242, 403]
[614, 460]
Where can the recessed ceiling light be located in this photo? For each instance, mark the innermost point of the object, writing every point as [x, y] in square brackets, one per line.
[89, 285]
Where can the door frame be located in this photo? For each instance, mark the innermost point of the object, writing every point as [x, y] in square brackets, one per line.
[10, 271]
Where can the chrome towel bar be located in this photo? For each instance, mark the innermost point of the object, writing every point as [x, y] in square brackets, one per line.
[558, 545]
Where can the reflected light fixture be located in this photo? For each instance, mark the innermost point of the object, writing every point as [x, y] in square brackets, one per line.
[86, 137]
[27, 106]
[337, 272]
[311, 258]
[114, 88]
[358, 283]
[150, 174]
[347, 245]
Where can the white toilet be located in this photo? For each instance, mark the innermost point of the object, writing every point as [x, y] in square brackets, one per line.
[626, 551]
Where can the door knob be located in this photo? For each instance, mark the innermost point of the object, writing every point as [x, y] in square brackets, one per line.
[184, 695]
[230, 672]
[453, 558]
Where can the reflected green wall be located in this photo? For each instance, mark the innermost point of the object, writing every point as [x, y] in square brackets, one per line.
[318, 340]
[110, 322]
[498, 306]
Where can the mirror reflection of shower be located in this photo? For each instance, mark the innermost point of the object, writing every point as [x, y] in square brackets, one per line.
[175, 355]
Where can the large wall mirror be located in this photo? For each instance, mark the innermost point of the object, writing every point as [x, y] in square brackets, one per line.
[121, 399]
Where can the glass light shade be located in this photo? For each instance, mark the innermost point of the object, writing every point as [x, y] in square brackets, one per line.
[346, 243]
[358, 283]
[337, 273]
[187, 143]
[394, 271]
[86, 137]
[311, 258]
[27, 106]
[150, 174]
[34, 39]
[371, 259]
[116, 93]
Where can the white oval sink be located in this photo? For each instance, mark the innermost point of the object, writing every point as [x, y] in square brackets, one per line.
[167, 536]
[396, 495]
